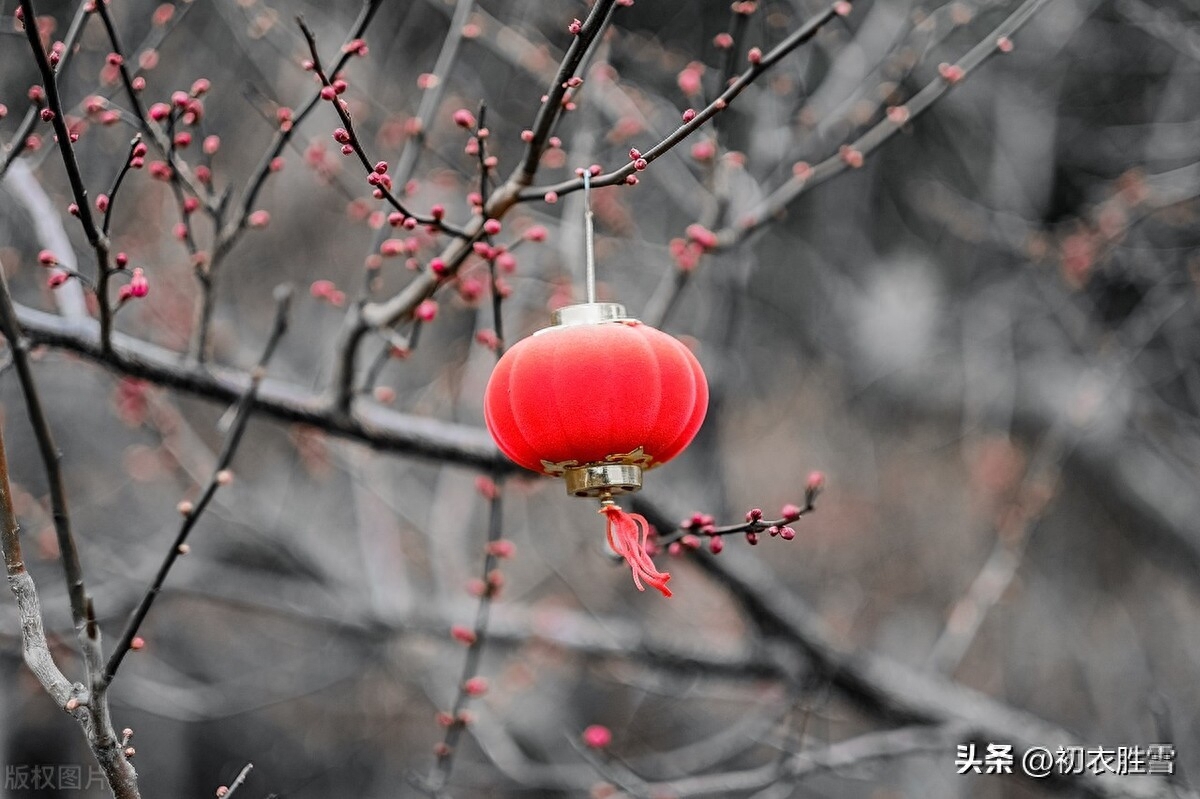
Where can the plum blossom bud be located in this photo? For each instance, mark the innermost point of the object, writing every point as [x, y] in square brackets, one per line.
[56, 279]
[787, 533]
[951, 73]
[575, 27]
[536, 233]
[640, 164]
[137, 643]
[702, 236]
[898, 114]
[122, 260]
[715, 544]
[462, 634]
[211, 144]
[102, 202]
[258, 219]
[754, 56]
[551, 197]
[464, 118]
[1004, 44]
[597, 736]
[754, 514]
[527, 135]
[138, 285]
[475, 686]
[689, 115]
[438, 212]
[790, 512]
[689, 79]
[491, 227]
[426, 311]
[723, 41]
[486, 487]
[47, 258]
[752, 539]
[842, 8]
[46, 114]
[503, 548]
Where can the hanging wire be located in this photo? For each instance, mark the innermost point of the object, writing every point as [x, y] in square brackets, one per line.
[589, 236]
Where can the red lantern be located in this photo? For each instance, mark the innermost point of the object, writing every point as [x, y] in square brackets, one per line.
[597, 398]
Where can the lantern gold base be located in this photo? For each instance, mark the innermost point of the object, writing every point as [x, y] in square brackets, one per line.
[603, 480]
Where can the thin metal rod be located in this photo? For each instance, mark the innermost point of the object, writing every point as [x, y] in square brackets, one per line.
[589, 236]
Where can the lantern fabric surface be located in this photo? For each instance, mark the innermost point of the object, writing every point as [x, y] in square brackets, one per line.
[589, 398]
[594, 393]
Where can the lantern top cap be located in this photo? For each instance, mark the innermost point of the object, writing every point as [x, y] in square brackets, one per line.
[588, 313]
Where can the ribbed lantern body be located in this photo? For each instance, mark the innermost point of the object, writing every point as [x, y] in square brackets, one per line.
[608, 392]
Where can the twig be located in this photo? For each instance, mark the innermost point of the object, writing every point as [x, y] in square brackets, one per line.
[381, 185]
[406, 164]
[54, 106]
[16, 145]
[18, 345]
[852, 153]
[769, 59]
[440, 772]
[237, 783]
[393, 310]
[112, 193]
[34, 647]
[375, 426]
[191, 515]
[887, 689]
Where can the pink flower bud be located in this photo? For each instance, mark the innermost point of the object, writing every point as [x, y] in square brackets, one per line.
[437, 266]
[702, 236]
[491, 227]
[689, 115]
[723, 41]
[842, 8]
[138, 285]
[704, 151]
[200, 87]
[73, 209]
[464, 635]
[527, 135]
[160, 111]
[640, 164]
[507, 262]
[787, 533]
[426, 311]
[597, 736]
[951, 73]
[258, 219]
[476, 686]
[46, 114]
[535, 233]
[754, 55]
[715, 545]
[47, 258]
[101, 202]
[689, 79]
[122, 260]
[182, 139]
[36, 93]
[438, 212]
[502, 548]
[898, 114]
[790, 512]
[575, 27]
[464, 118]
[551, 197]
[211, 144]
[752, 539]
[754, 514]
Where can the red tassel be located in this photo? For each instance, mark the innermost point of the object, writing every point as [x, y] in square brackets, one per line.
[627, 537]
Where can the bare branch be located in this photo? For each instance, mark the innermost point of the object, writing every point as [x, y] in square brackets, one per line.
[191, 515]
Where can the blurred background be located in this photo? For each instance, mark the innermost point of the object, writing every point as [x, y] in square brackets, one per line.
[986, 337]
